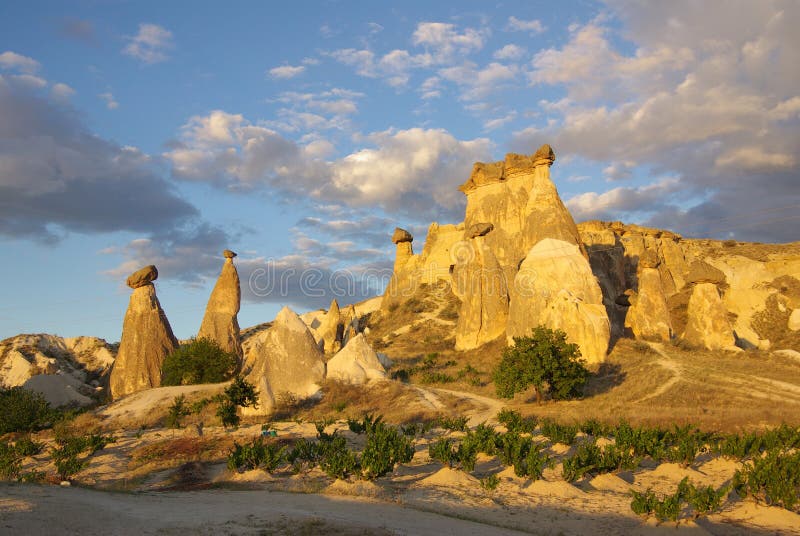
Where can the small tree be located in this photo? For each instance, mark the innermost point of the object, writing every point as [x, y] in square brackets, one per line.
[240, 393]
[23, 410]
[544, 358]
[177, 411]
[198, 361]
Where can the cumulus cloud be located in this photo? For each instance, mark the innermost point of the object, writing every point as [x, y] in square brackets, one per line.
[710, 101]
[61, 91]
[533, 26]
[406, 170]
[286, 71]
[478, 82]
[13, 61]
[150, 44]
[498, 122]
[509, 52]
[57, 177]
[108, 98]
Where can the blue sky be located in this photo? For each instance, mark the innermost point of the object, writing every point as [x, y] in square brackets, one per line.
[300, 133]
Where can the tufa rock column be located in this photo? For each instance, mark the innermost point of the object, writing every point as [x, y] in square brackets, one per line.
[402, 239]
[146, 338]
[220, 323]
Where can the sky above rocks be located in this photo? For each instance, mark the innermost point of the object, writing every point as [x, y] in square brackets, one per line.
[300, 133]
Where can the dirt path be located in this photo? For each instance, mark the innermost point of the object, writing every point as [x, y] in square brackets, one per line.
[486, 408]
[671, 365]
[30, 509]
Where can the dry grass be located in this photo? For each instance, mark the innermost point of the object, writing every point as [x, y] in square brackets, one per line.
[176, 451]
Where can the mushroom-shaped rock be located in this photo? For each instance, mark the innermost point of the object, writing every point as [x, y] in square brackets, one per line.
[479, 229]
[356, 363]
[142, 277]
[147, 339]
[283, 360]
[220, 322]
[702, 272]
[401, 235]
[544, 156]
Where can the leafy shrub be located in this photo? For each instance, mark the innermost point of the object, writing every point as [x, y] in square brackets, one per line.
[22, 410]
[177, 411]
[240, 393]
[303, 455]
[683, 444]
[527, 457]
[483, 439]
[367, 422]
[559, 433]
[543, 359]
[589, 458]
[773, 479]
[28, 447]
[198, 361]
[516, 423]
[435, 377]
[335, 458]
[594, 428]
[10, 461]
[443, 450]
[642, 441]
[68, 455]
[385, 447]
[702, 501]
[453, 424]
[256, 454]
[490, 482]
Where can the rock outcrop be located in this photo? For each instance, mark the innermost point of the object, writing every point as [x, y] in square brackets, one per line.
[708, 324]
[331, 329]
[220, 321]
[356, 363]
[648, 316]
[480, 283]
[283, 361]
[555, 287]
[64, 370]
[147, 338]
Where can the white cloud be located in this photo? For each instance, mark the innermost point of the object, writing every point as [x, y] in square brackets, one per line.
[609, 204]
[13, 61]
[711, 101]
[150, 44]
[108, 98]
[286, 71]
[61, 91]
[498, 122]
[444, 41]
[431, 88]
[509, 52]
[28, 81]
[533, 26]
[374, 27]
[477, 82]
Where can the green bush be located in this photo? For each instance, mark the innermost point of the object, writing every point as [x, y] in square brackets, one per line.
[256, 454]
[177, 411]
[773, 479]
[483, 439]
[22, 410]
[702, 501]
[385, 447]
[591, 459]
[10, 461]
[68, 456]
[453, 424]
[516, 423]
[198, 361]
[490, 482]
[28, 447]
[304, 455]
[367, 422]
[559, 433]
[443, 450]
[527, 457]
[544, 359]
[336, 459]
[240, 393]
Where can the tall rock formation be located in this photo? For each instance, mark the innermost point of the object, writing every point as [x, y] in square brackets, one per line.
[283, 360]
[356, 363]
[331, 329]
[555, 287]
[480, 283]
[146, 338]
[220, 323]
[648, 316]
[708, 324]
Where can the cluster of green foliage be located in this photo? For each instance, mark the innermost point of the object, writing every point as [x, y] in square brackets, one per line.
[453, 454]
[368, 420]
[452, 424]
[545, 361]
[23, 410]
[558, 433]
[754, 444]
[591, 459]
[240, 393]
[429, 370]
[681, 445]
[73, 452]
[177, 411]
[516, 423]
[773, 478]
[385, 447]
[520, 451]
[198, 361]
[256, 454]
[701, 501]
[11, 456]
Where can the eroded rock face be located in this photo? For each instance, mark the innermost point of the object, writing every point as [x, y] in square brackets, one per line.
[555, 287]
[479, 282]
[648, 316]
[142, 277]
[283, 360]
[708, 324]
[356, 363]
[146, 340]
[220, 322]
[331, 329]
